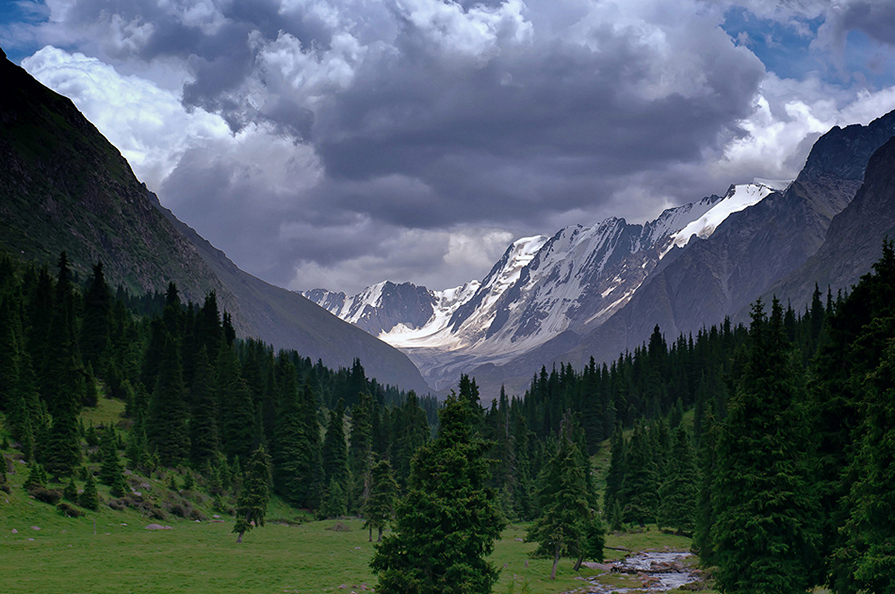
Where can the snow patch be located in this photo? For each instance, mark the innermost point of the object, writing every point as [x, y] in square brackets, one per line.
[738, 198]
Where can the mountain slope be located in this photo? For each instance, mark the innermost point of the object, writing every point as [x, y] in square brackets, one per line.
[63, 186]
[540, 289]
[854, 239]
[749, 252]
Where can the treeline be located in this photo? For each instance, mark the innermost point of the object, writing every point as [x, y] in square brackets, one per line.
[784, 477]
[195, 396]
[772, 444]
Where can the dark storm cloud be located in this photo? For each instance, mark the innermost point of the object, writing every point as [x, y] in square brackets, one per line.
[429, 117]
[444, 106]
[875, 18]
[559, 113]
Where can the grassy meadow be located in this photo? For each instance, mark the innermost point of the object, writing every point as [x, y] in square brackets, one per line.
[109, 551]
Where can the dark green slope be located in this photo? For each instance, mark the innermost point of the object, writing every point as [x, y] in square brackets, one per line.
[63, 186]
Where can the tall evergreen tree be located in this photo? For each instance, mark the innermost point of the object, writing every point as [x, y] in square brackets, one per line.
[89, 497]
[705, 512]
[380, 505]
[204, 436]
[291, 443]
[251, 506]
[677, 507]
[237, 407]
[335, 450]
[360, 449]
[868, 555]
[446, 524]
[96, 324]
[411, 430]
[615, 476]
[640, 495]
[765, 530]
[568, 525]
[167, 419]
[311, 467]
[110, 473]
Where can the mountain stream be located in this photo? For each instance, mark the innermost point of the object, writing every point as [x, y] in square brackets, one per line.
[643, 572]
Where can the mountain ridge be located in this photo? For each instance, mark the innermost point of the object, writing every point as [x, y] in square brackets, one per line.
[708, 266]
[65, 187]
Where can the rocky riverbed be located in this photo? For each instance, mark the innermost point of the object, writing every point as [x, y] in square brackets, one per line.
[642, 572]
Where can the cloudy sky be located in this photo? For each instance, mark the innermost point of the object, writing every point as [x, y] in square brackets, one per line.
[337, 143]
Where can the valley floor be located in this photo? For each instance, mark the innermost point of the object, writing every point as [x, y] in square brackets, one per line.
[44, 552]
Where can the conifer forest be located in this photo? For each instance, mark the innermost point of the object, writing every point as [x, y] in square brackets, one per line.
[771, 444]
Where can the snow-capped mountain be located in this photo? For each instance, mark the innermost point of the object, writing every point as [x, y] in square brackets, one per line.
[540, 288]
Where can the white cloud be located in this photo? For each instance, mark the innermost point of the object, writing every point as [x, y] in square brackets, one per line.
[146, 123]
[436, 259]
[786, 113]
[475, 32]
[310, 73]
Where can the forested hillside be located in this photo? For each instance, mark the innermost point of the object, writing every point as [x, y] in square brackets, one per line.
[194, 394]
[771, 445]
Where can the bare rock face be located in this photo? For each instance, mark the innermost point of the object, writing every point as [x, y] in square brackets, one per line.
[855, 237]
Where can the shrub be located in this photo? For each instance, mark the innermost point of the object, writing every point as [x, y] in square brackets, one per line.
[69, 510]
[51, 496]
[195, 514]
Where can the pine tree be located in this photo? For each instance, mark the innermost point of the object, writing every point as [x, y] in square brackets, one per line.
[96, 324]
[110, 472]
[765, 531]
[204, 436]
[379, 507]
[63, 380]
[615, 516]
[446, 524]
[290, 441]
[167, 418]
[333, 505]
[641, 487]
[335, 449]
[36, 477]
[137, 451]
[310, 468]
[704, 521]
[677, 507]
[868, 555]
[615, 477]
[63, 451]
[410, 430]
[568, 525]
[70, 493]
[237, 408]
[360, 449]
[25, 414]
[10, 354]
[251, 507]
[89, 497]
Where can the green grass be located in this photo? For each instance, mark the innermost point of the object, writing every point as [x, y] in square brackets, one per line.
[107, 412]
[197, 557]
[121, 556]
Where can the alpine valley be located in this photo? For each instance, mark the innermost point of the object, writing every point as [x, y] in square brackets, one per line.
[582, 293]
[595, 292]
